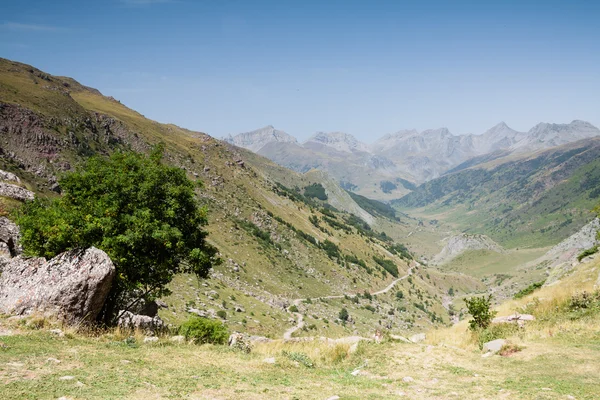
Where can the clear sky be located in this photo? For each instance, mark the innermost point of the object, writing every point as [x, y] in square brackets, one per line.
[363, 67]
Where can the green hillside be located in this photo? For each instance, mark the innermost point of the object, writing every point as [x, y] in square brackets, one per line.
[534, 201]
[278, 244]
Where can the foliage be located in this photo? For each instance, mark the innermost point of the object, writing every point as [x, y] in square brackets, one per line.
[374, 207]
[587, 252]
[399, 295]
[315, 190]
[387, 186]
[585, 301]
[264, 237]
[332, 250]
[203, 330]
[529, 289]
[401, 250]
[222, 314]
[388, 265]
[293, 308]
[480, 309]
[343, 315]
[141, 212]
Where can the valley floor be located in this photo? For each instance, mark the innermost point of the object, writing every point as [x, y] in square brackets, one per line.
[39, 364]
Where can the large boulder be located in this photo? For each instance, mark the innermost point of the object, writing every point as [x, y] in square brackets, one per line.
[72, 286]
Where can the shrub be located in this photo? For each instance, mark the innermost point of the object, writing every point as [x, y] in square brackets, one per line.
[299, 357]
[222, 314]
[480, 309]
[202, 330]
[528, 290]
[316, 190]
[587, 252]
[399, 295]
[388, 265]
[343, 315]
[293, 308]
[141, 212]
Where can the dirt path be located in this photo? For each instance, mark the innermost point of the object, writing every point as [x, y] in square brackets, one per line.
[300, 318]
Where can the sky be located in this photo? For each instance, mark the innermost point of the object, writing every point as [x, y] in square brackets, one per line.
[367, 68]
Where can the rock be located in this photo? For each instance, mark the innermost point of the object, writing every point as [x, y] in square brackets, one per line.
[15, 192]
[149, 325]
[9, 236]
[334, 398]
[407, 379]
[72, 286]
[269, 360]
[57, 332]
[66, 378]
[9, 176]
[53, 360]
[150, 339]
[239, 309]
[513, 318]
[240, 342]
[355, 372]
[178, 339]
[419, 337]
[494, 346]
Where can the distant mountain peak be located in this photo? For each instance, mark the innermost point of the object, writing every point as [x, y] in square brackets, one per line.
[340, 141]
[257, 139]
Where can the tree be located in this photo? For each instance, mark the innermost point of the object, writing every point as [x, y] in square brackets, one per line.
[343, 315]
[141, 212]
[480, 309]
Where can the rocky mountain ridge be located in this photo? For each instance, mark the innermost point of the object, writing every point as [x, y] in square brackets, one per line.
[407, 155]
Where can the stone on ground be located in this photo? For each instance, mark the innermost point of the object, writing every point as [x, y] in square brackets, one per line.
[494, 346]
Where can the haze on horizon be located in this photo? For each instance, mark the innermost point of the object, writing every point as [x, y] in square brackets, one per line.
[367, 69]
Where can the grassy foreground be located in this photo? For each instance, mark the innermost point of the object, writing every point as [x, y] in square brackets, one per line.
[554, 357]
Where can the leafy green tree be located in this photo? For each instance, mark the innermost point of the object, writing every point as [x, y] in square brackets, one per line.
[480, 309]
[141, 212]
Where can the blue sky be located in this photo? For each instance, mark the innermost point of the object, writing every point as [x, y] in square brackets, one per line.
[363, 67]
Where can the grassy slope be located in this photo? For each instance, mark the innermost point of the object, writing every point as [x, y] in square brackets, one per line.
[558, 358]
[270, 273]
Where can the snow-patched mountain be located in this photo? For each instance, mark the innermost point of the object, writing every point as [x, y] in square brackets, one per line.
[255, 140]
[406, 155]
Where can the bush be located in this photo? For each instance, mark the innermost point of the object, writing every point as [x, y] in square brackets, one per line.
[141, 212]
[587, 252]
[222, 314]
[399, 295]
[293, 308]
[316, 190]
[343, 315]
[388, 265]
[299, 357]
[202, 330]
[480, 309]
[529, 289]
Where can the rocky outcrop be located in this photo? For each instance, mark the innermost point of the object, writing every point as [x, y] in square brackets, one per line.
[9, 176]
[562, 258]
[463, 242]
[147, 324]
[15, 192]
[9, 238]
[72, 286]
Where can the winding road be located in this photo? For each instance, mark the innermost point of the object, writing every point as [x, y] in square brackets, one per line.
[300, 318]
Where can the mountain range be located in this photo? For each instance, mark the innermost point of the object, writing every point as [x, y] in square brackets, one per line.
[391, 166]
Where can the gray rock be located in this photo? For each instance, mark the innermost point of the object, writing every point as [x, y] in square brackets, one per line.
[150, 339]
[178, 339]
[9, 176]
[149, 325]
[15, 192]
[494, 346]
[72, 286]
[419, 337]
[407, 379]
[9, 237]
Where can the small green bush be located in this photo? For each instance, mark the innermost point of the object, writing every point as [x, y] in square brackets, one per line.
[203, 330]
[222, 314]
[480, 309]
[529, 289]
[293, 308]
[343, 315]
[587, 252]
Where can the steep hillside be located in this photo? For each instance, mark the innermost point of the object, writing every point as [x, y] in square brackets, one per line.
[279, 237]
[528, 201]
